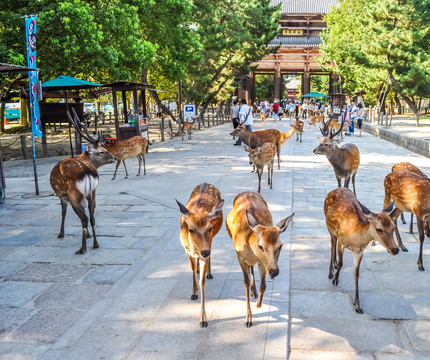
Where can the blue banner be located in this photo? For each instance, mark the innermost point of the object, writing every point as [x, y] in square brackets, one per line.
[30, 33]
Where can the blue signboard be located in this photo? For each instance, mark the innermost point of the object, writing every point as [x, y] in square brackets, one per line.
[189, 112]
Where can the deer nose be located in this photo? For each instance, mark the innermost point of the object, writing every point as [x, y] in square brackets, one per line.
[274, 273]
[315, 151]
[395, 251]
[250, 163]
[206, 253]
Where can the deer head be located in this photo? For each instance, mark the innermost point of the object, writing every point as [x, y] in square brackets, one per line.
[328, 142]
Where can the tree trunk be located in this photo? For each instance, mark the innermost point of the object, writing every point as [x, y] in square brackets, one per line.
[211, 97]
[398, 104]
[398, 90]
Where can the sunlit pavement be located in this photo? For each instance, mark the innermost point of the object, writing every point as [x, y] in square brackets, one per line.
[130, 299]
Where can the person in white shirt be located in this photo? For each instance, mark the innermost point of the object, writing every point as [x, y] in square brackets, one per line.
[245, 118]
[352, 113]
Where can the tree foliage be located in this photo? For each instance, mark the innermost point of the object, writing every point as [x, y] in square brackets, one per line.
[366, 43]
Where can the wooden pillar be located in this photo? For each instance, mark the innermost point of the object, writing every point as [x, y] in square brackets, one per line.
[306, 82]
[124, 105]
[115, 111]
[252, 81]
[278, 86]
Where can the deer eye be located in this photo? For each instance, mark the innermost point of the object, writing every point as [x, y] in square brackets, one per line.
[260, 247]
[210, 228]
[191, 231]
[379, 231]
[325, 144]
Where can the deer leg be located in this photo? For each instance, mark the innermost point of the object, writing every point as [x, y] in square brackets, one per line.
[394, 216]
[116, 168]
[420, 225]
[63, 217]
[260, 173]
[209, 273]
[278, 150]
[300, 137]
[91, 207]
[271, 175]
[333, 262]
[353, 183]
[140, 164]
[339, 263]
[262, 272]
[203, 268]
[125, 167]
[357, 262]
[198, 266]
[427, 228]
[80, 211]
[253, 287]
[403, 219]
[346, 182]
[194, 295]
[411, 225]
[245, 271]
[339, 181]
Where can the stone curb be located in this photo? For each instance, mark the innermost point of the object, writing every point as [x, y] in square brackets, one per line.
[418, 146]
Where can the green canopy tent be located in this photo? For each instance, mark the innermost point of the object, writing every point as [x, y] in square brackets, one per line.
[315, 95]
[65, 83]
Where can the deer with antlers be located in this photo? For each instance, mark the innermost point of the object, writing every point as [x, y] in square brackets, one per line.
[261, 156]
[75, 181]
[256, 241]
[345, 160]
[412, 168]
[201, 219]
[135, 146]
[352, 226]
[269, 135]
[411, 193]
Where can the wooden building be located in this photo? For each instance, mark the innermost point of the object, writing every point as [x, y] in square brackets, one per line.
[299, 40]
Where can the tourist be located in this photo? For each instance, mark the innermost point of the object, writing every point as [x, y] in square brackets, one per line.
[304, 110]
[245, 118]
[275, 111]
[359, 117]
[352, 111]
[263, 111]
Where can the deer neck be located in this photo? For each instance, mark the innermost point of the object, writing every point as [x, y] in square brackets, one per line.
[336, 158]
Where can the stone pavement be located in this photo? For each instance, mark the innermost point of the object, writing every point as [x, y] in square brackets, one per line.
[130, 299]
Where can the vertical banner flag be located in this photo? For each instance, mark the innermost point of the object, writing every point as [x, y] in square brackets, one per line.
[30, 33]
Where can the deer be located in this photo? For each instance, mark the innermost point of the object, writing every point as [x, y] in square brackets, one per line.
[410, 193]
[186, 127]
[75, 180]
[269, 135]
[315, 119]
[345, 160]
[256, 241]
[201, 219]
[260, 156]
[135, 146]
[412, 168]
[351, 225]
[299, 125]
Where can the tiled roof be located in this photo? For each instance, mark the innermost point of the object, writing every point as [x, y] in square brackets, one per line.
[294, 41]
[305, 6]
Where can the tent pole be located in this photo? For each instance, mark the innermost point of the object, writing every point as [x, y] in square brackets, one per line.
[70, 130]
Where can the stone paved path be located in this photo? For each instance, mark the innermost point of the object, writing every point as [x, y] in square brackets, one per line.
[130, 299]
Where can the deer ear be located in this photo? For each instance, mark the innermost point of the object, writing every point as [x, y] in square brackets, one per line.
[389, 208]
[365, 210]
[252, 222]
[283, 224]
[216, 210]
[367, 213]
[184, 211]
[260, 149]
[246, 148]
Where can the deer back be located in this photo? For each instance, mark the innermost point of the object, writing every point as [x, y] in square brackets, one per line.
[128, 148]
[408, 167]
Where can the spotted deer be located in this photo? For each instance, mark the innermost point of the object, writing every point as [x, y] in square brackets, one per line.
[186, 128]
[352, 226]
[412, 168]
[201, 219]
[299, 129]
[75, 182]
[411, 193]
[135, 146]
[345, 160]
[261, 156]
[269, 135]
[316, 119]
[256, 241]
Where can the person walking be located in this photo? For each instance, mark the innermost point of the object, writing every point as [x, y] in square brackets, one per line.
[359, 117]
[275, 111]
[352, 110]
[304, 110]
[234, 112]
[263, 111]
[245, 118]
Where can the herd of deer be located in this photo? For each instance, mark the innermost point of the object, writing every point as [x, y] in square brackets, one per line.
[256, 240]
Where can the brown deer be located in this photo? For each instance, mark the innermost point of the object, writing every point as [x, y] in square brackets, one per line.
[316, 119]
[201, 220]
[256, 241]
[75, 181]
[260, 156]
[411, 193]
[412, 168]
[299, 125]
[351, 225]
[269, 135]
[345, 160]
[135, 146]
[186, 128]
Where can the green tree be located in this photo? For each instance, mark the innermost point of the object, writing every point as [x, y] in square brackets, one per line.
[365, 44]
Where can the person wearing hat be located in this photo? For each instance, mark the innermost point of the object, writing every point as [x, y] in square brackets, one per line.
[245, 118]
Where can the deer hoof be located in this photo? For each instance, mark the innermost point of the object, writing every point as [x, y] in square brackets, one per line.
[209, 276]
[335, 282]
[421, 268]
[404, 249]
[113, 178]
[330, 276]
[60, 235]
[194, 297]
[80, 251]
[96, 246]
[203, 324]
[126, 177]
[248, 324]
[359, 310]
